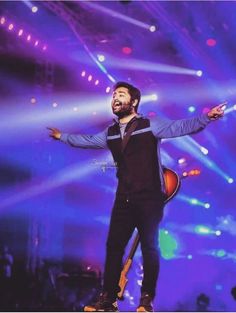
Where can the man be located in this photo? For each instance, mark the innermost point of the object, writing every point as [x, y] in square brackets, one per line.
[140, 193]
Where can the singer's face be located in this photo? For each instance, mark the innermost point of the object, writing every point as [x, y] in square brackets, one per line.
[121, 102]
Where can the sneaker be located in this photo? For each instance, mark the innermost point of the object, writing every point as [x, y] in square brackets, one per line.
[145, 304]
[104, 304]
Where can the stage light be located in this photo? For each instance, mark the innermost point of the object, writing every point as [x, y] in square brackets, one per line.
[90, 78]
[220, 253]
[189, 144]
[136, 64]
[20, 32]
[168, 245]
[83, 73]
[202, 230]
[44, 47]
[96, 82]
[191, 109]
[60, 178]
[33, 100]
[181, 160]
[152, 28]
[36, 43]
[218, 232]
[2, 20]
[154, 97]
[55, 104]
[194, 172]
[230, 109]
[230, 180]
[194, 201]
[108, 89]
[207, 205]
[112, 79]
[75, 109]
[151, 114]
[34, 9]
[101, 57]
[199, 73]
[211, 42]
[127, 50]
[11, 26]
[204, 150]
[148, 98]
[190, 257]
[114, 14]
[28, 37]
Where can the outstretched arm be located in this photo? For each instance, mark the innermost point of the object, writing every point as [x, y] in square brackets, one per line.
[164, 128]
[97, 141]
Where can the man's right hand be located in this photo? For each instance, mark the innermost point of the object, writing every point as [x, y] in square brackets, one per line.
[55, 133]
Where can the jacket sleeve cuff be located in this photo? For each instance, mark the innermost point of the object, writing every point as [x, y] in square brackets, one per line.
[205, 118]
[64, 137]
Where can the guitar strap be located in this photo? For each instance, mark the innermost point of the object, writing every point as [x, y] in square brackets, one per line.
[128, 134]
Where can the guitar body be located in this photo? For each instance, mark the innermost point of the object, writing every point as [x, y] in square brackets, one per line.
[172, 183]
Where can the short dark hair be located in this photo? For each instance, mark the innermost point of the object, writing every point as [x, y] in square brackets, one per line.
[134, 92]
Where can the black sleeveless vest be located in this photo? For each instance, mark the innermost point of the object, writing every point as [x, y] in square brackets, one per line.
[137, 166]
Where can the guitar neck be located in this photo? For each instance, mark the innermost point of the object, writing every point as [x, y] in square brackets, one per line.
[134, 247]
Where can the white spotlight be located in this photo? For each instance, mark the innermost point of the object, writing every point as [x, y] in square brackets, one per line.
[152, 28]
[34, 9]
[207, 205]
[20, 32]
[154, 97]
[230, 180]
[194, 201]
[108, 89]
[204, 150]
[2, 20]
[11, 26]
[191, 108]
[181, 160]
[101, 57]
[199, 73]
[218, 232]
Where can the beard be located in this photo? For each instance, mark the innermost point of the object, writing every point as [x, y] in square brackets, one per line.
[122, 109]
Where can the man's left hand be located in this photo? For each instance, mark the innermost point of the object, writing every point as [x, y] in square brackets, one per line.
[217, 112]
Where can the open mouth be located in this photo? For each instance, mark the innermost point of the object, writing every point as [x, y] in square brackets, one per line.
[117, 104]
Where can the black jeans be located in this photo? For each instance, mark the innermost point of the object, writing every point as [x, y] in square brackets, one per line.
[144, 211]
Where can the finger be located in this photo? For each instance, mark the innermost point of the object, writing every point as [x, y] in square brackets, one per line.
[50, 128]
[222, 104]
